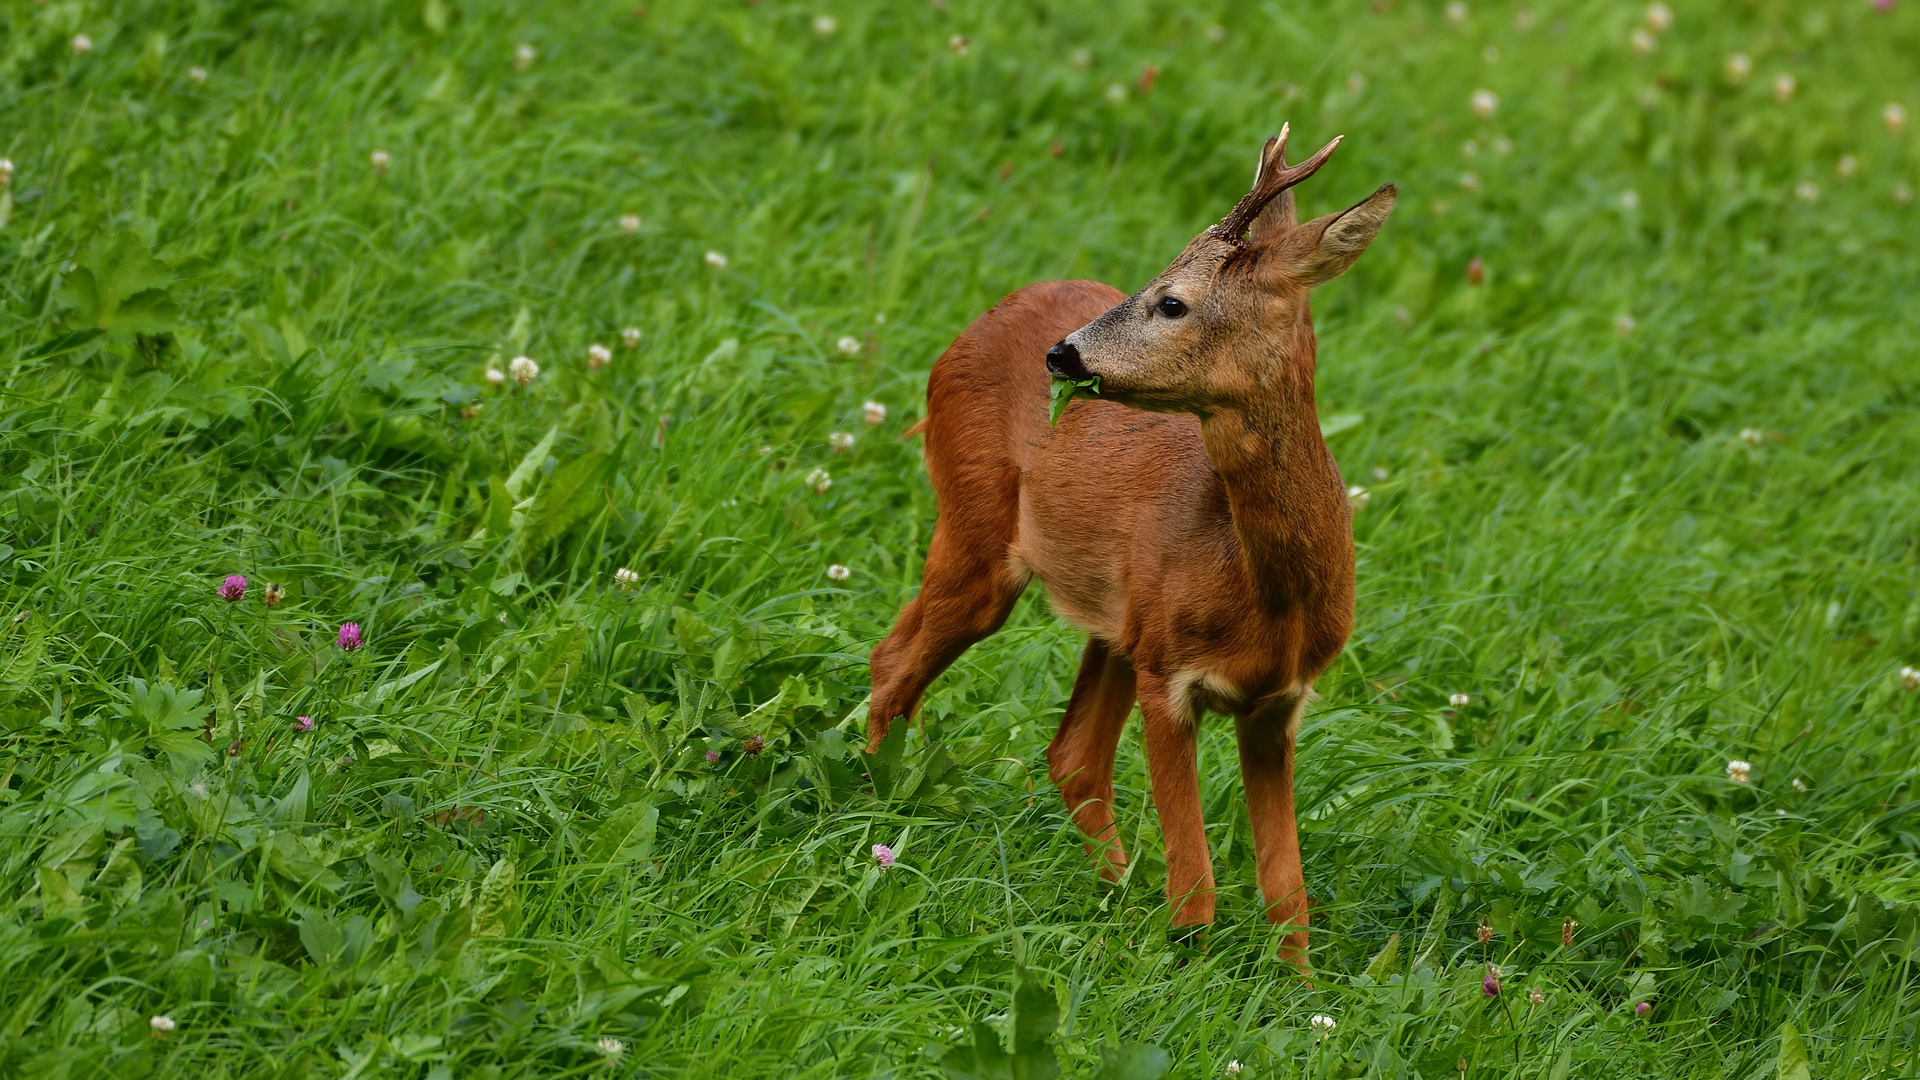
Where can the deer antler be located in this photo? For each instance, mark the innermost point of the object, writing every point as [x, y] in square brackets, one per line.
[1275, 176]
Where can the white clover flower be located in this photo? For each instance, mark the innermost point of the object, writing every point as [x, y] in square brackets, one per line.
[1752, 435]
[1321, 1022]
[523, 55]
[6, 172]
[1456, 14]
[873, 413]
[82, 43]
[1216, 33]
[1846, 166]
[630, 224]
[1470, 181]
[630, 337]
[1081, 60]
[1806, 191]
[162, 1025]
[1630, 199]
[1910, 679]
[1380, 473]
[1403, 315]
[1739, 66]
[957, 45]
[716, 260]
[1116, 93]
[598, 356]
[841, 441]
[381, 159]
[1233, 1068]
[1469, 148]
[1624, 325]
[848, 345]
[523, 369]
[1485, 103]
[825, 25]
[1739, 771]
[495, 376]
[1523, 20]
[819, 480]
[1894, 115]
[1490, 54]
[197, 76]
[838, 572]
[610, 1048]
[1902, 194]
[1358, 497]
[1644, 43]
[1459, 701]
[1659, 17]
[1784, 84]
[1502, 145]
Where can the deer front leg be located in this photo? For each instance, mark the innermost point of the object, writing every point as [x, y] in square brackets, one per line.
[1174, 772]
[1266, 767]
[1080, 758]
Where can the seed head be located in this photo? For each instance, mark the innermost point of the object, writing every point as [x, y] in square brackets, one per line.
[381, 160]
[825, 25]
[819, 480]
[1784, 84]
[1485, 934]
[957, 45]
[630, 337]
[349, 638]
[1535, 997]
[625, 578]
[197, 76]
[883, 855]
[1485, 103]
[1459, 701]
[610, 1048]
[1739, 66]
[1644, 43]
[1846, 166]
[273, 596]
[82, 43]
[1321, 1022]
[523, 56]
[162, 1026]
[1894, 115]
[753, 744]
[1476, 271]
[1806, 191]
[873, 413]
[716, 260]
[848, 345]
[838, 572]
[1910, 679]
[841, 441]
[1739, 771]
[303, 723]
[232, 589]
[1659, 17]
[523, 369]
[1624, 325]
[495, 376]
[1358, 497]
[1566, 933]
[598, 356]
[630, 224]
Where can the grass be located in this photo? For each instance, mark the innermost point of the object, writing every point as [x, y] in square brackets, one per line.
[1646, 494]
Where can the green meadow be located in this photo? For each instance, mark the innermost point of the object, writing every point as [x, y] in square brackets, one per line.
[1630, 383]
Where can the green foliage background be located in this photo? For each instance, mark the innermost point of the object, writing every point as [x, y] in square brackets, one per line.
[229, 344]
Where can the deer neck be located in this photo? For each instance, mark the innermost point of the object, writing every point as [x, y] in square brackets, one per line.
[1288, 502]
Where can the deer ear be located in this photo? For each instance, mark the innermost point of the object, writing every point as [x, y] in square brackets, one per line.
[1344, 236]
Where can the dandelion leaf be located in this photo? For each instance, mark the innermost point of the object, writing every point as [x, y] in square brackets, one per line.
[1793, 1064]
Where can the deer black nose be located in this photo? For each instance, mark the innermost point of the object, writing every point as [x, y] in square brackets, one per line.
[1063, 361]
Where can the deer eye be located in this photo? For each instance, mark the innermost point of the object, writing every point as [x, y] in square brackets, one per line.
[1172, 307]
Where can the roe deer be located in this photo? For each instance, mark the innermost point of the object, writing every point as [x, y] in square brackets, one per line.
[1189, 518]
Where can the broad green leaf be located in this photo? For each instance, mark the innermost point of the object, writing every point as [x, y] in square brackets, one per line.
[1563, 1065]
[497, 904]
[1339, 422]
[1065, 390]
[71, 341]
[1035, 1015]
[1382, 964]
[982, 1059]
[571, 493]
[1132, 1061]
[884, 763]
[1793, 1064]
[530, 464]
[626, 835]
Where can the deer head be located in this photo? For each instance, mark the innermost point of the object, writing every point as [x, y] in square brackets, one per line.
[1229, 315]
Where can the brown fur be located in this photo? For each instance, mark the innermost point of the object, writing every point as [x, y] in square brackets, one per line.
[1191, 521]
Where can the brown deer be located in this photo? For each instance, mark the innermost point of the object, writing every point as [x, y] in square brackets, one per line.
[1189, 518]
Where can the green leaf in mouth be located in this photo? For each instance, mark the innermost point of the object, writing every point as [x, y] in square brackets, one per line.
[1065, 390]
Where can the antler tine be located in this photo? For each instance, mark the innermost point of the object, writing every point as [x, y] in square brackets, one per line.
[1269, 183]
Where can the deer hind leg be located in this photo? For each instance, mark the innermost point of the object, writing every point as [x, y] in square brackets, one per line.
[1174, 771]
[1080, 758]
[1266, 767]
[966, 592]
